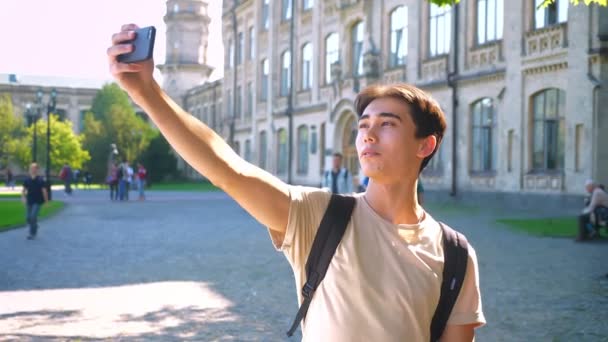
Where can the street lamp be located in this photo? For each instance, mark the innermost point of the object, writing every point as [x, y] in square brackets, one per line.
[33, 116]
[50, 107]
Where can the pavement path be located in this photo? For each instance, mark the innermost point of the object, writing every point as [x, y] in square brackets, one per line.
[196, 267]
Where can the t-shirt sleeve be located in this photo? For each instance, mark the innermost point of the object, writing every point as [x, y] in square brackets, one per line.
[306, 210]
[467, 309]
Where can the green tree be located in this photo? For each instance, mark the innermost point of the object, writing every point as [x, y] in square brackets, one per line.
[11, 130]
[112, 120]
[545, 3]
[159, 160]
[66, 146]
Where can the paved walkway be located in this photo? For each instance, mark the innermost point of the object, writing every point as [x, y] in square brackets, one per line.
[196, 267]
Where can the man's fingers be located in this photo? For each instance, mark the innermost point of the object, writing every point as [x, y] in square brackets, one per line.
[119, 49]
[122, 36]
[129, 27]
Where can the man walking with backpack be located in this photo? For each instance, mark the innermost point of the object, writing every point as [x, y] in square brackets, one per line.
[338, 180]
[385, 281]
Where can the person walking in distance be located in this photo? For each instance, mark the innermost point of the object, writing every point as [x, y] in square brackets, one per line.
[141, 181]
[338, 180]
[385, 279]
[34, 195]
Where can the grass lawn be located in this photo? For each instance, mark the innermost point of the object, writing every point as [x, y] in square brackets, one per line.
[10, 195]
[183, 186]
[554, 227]
[12, 213]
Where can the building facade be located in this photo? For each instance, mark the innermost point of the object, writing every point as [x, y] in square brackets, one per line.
[522, 87]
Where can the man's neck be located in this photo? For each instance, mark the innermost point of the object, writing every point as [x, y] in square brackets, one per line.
[397, 203]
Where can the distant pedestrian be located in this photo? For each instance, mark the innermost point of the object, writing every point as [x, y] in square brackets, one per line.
[66, 176]
[10, 179]
[142, 173]
[338, 180]
[112, 181]
[87, 179]
[34, 195]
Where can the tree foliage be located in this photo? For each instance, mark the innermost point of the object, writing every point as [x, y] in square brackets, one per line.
[112, 120]
[66, 147]
[159, 160]
[11, 130]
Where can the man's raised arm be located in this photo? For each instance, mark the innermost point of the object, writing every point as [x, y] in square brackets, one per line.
[264, 196]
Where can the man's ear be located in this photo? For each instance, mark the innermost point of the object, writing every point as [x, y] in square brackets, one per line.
[427, 146]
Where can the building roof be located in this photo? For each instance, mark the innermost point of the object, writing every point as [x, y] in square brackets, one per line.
[51, 81]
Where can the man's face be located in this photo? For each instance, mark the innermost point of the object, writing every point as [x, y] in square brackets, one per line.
[589, 188]
[386, 144]
[33, 169]
[337, 162]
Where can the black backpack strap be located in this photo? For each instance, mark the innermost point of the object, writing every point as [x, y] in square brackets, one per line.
[328, 237]
[456, 255]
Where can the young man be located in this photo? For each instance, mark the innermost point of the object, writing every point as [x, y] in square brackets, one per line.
[384, 281]
[34, 195]
[338, 180]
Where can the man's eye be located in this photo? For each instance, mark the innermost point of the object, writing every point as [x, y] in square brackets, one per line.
[388, 123]
[362, 125]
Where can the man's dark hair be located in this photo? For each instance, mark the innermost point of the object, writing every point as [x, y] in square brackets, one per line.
[425, 112]
[337, 154]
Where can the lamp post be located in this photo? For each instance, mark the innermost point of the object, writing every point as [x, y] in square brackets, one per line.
[50, 107]
[33, 116]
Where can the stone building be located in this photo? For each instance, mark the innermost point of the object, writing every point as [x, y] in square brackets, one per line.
[522, 86]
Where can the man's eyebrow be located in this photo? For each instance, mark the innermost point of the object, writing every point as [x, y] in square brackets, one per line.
[383, 114]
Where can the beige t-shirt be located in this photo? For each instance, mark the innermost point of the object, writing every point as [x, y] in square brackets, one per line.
[384, 281]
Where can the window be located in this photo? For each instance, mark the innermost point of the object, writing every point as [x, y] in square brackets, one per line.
[302, 150]
[548, 130]
[249, 109]
[282, 152]
[286, 9]
[240, 49]
[285, 73]
[482, 144]
[237, 147]
[440, 28]
[230, 54]
[248, 150]
[332, 54]
[490, 15]
[313, 140]
[251, 43]
[555, 13]
[357, 36]
[307, 66]
[307, 4]
[265, 16]
[238, 108]
[398, 36]
[265, 71]
[263, 149]
[510, 142]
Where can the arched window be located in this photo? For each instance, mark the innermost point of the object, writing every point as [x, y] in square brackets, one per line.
[440, 28]
[482, 144]
[302, 150]
[398, 36]
[357, 36]
[306, 66]
[285, 73]
[548, 129]
[332, 54]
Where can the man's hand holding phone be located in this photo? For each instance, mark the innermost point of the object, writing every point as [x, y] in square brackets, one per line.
[130, 59]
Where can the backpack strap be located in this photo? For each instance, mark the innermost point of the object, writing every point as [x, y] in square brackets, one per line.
[328, 237]
[456, 255]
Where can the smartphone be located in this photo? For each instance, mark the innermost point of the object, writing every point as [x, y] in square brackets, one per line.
[143, 46]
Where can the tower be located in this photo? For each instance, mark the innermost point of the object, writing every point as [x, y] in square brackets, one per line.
[185, 65]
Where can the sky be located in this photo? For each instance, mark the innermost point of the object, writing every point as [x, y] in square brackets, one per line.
[69, 38]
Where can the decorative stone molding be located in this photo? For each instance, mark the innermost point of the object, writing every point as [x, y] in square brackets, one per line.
[546, 182]
[546, 41]
[395, 75]
[483, 181]
[545, 68]
[484, 56]
[304, 97]
[435, 69]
